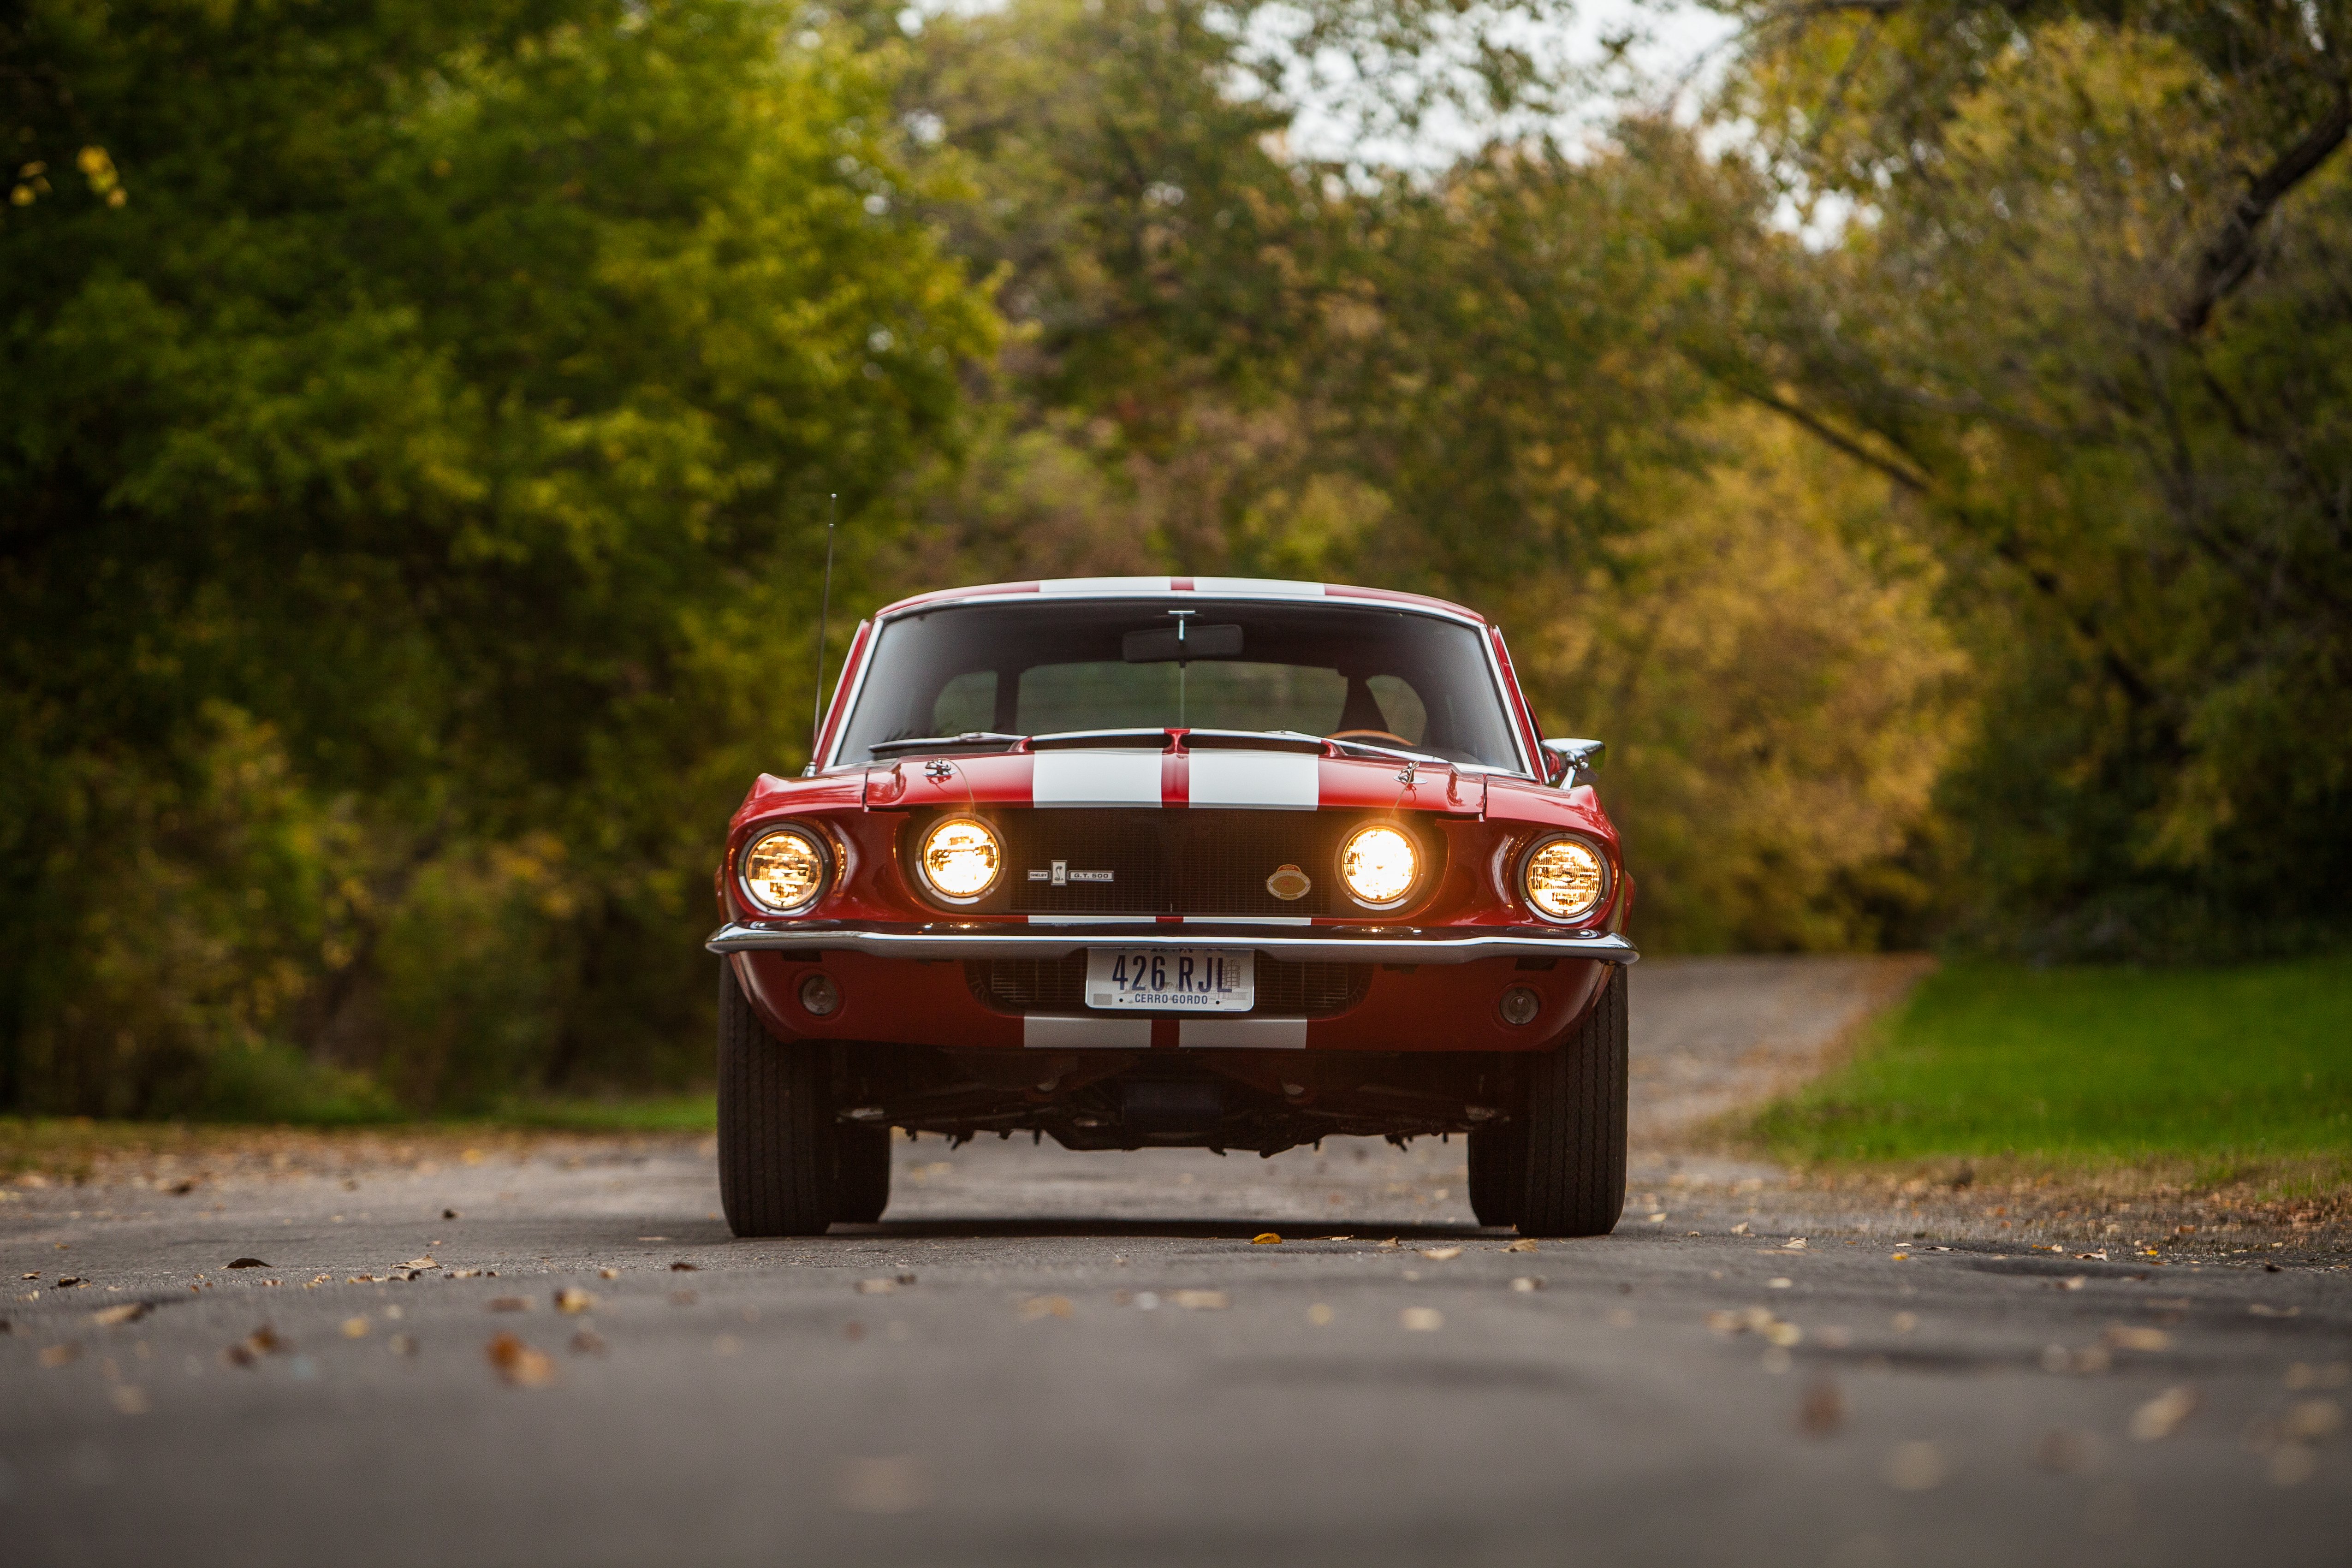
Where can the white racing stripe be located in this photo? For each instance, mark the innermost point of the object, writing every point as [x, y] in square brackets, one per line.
[1242, 1033]
[1242, 920]
[1092, 1034]
[1105, 585]
[1270, 781]
[1256, 588]
[1096, 778]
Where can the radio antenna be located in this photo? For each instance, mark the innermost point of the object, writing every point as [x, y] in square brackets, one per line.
[823, 614]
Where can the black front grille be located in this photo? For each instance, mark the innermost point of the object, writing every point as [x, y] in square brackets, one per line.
[1311, 989]
[1206, 863]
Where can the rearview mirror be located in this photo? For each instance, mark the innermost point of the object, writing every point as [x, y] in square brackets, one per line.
[1161, 644]
[1573, 761]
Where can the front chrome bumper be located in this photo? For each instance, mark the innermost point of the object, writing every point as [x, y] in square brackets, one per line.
[1337, 944]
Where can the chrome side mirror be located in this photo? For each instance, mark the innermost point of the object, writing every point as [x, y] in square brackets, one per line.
[1571, 763]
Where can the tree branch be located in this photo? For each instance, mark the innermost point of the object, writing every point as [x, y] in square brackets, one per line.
[2231, 255]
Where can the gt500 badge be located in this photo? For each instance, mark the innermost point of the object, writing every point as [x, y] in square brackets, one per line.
[1289, 882]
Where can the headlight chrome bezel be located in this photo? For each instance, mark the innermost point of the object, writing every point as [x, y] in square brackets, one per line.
[1413, 848]
[1526, 890]
[819, 844]
[922, 855]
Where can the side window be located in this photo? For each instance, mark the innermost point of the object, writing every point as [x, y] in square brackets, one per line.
[966, 703]
[1401, 706]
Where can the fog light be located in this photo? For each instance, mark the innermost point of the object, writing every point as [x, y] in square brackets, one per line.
[1520, 1006]
[819, 996]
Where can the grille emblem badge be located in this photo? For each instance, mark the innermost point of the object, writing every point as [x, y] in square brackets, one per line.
[1061, 876]
[1289, 883]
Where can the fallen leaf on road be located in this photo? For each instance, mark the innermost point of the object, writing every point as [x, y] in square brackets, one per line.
[893, 1485]
[682, 1267]
[1201, 1300]
[1526, 1282]
[129, 1312]
[2098, 1257]
[1391, 1245]
[316, 1280]
[518, 1364]
[1822, 1409]
[1266, 1238]
[572, 1300]
[608, 1274]
[2161, 1416]
[1422, 1319]
[1781, 1283]
[509, 1303]
[412, 1263]
[401, 1344]
[2067, 1452]
[1797, 1244]
[246, 1263]
[1915, 1468]
[1901, 1257]
[1657, 1219]
[355, 1328]
[1525, 1244]
[1784, 1335]
[2074, 1282]
[2312, 1420]
[1319, 1315]
[2124, 1337]
[1441, 1254]
[1740, 1229]
[448, 1214]
[2264, 1309]
[877, 1286]
[60, 1356]
[265, 1341]
[1037, 1307]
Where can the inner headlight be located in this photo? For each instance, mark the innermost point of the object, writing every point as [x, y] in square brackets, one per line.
[1566, 878]
[1378, 865]
[785, 871]
[960, 859]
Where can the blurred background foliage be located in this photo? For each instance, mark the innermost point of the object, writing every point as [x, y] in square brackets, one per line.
[1926, 461]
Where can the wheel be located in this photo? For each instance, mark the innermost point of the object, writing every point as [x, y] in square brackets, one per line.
[776, 1130]
[1573, 1181]
[861, 1173]
[1496, 1153]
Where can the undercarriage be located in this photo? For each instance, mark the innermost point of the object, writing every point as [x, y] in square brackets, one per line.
[1263, 1101]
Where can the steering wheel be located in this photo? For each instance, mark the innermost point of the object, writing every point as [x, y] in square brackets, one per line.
[1369, 735]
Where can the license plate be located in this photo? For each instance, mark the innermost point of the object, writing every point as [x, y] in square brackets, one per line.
[1172, 979]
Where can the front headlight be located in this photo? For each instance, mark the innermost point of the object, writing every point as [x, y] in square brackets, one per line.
[784, 870]
[960, 859]
[1565, 878]
[1378, 865]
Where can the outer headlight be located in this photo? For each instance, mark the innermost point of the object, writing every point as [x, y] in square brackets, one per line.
[960, 859]
[1378, 865]
[785, 870]
[1565, 878]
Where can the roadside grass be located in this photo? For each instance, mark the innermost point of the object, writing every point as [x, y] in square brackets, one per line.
[72, 1148]
[2200, 1077]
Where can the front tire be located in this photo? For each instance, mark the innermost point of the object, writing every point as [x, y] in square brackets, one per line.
[776, 1131]
[1574, 1124]
[1495, 1157]
[861, 1173]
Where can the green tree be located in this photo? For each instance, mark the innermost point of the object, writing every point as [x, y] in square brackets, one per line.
[421, 422]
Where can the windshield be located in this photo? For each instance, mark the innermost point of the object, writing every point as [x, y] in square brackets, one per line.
[1389, 678]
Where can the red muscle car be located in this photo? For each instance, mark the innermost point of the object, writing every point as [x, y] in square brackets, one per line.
[1191, 861]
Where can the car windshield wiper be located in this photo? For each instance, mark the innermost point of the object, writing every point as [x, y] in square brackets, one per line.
[1394, 752]
[935, 742]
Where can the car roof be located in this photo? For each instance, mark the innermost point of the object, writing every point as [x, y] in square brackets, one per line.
[1161, 587]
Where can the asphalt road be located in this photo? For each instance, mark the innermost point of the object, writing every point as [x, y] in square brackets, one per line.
[1047, 1358]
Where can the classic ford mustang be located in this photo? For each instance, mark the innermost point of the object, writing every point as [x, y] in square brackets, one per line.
[1194, 861]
